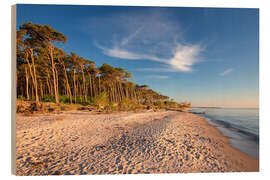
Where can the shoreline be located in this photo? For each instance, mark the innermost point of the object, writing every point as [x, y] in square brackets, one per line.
[77, 142]
[232, 152]
[241, 139]
[227, 137]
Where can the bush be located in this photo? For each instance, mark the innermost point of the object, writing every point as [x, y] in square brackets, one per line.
[101, 100]
[112, 106]
[48, 98]
[171, 104]
[184, 105]
[64, 99]
[21, 97]
[129, 104]
[159, 104]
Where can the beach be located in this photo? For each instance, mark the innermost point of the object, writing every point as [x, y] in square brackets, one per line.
[83, 142]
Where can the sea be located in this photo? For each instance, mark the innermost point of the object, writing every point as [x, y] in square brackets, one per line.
[241, 125]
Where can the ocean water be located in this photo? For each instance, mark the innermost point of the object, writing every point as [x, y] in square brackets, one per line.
[241, 125]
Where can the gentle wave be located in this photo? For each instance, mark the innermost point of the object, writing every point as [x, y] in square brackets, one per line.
[236, 128]
[240, 125]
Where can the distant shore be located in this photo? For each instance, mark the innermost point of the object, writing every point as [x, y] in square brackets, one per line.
[83, 142]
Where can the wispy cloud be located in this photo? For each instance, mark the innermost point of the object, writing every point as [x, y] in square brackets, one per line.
[157, 77]
[125, 54]
[131, 36]
[150, 35]
[226, 72]
[162, 69]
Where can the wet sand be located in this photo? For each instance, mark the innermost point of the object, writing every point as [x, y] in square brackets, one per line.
[77, 142]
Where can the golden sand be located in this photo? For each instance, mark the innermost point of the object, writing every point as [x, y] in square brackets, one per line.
[78, 142]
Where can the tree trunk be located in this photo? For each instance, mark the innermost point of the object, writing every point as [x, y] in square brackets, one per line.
[48, 84]
[94, 88]
[27, 86]
[90, 85]
[54, 74]
[32, 91]
[99, 90]
[80, 90]
[67, 83]
[41, 89]
[84, 86]
[74, 88]
[33, 73]
[57, 82]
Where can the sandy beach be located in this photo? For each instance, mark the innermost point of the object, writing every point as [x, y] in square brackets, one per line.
[78, 142]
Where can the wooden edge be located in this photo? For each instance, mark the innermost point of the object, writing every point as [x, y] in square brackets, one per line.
[13, 89]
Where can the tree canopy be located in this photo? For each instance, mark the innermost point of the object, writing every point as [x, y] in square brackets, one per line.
[48, 73]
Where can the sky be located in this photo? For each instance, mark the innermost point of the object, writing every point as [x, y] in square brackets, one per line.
[206, 56]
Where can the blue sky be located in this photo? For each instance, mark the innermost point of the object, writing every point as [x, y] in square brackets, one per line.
[207, 56]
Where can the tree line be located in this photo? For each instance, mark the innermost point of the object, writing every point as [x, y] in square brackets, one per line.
[45, 72]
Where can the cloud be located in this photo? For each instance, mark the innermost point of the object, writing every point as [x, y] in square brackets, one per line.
[124, 54]
[157, 77]
[226, 72]
[162, 69]
[130, 37]
[184, 57]
[148, 35]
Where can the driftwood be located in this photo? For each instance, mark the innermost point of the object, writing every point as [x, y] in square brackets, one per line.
[174, 109]
[198, 112]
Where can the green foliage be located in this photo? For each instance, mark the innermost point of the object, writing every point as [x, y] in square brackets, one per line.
[129, 104]
[101, 100]
[48, 98]
[64, 99]
[113, 106]
[159, 104]
[21, 97]
[42, 33]
[171, 104]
